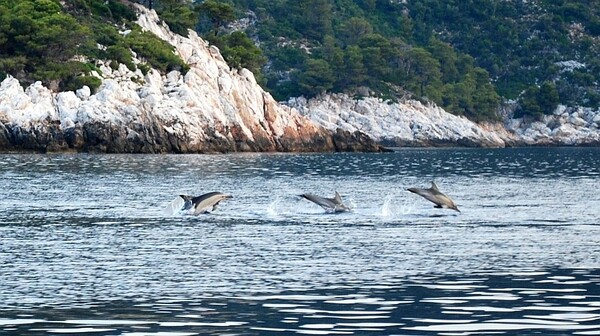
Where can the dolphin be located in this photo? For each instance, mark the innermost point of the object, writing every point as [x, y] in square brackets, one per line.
[202, 204]
[434, 195]
[330, 204]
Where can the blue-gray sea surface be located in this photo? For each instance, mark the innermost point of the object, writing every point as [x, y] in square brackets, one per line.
[87, 246]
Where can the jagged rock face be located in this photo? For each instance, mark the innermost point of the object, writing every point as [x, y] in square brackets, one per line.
[213, 108]
[397, 124]
[565, 127]
[413, 124]
[209, 109]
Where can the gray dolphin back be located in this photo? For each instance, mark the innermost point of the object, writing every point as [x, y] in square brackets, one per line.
[198, 199]
[322, 201]
[203, 203]
[334, 204]
[434, 195]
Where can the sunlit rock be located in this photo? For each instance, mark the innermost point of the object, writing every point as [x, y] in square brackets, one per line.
[211, 108]
[565, 127]
[396, 124]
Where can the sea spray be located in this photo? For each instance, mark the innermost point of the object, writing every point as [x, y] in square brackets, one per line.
[391, 207]
[272, 208]
[386, 210]
[174, 207]
[351, 203]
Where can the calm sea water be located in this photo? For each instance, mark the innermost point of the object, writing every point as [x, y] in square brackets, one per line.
[87, 247]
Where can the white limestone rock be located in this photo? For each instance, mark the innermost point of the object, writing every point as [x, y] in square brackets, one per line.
[84, 92]
[215, 107]
[409, 123]
[573, 126]
[67, 104]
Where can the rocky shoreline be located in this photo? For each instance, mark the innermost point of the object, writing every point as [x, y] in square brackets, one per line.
[37, 120]
[414, 124]
[98, 137]
[213, 108]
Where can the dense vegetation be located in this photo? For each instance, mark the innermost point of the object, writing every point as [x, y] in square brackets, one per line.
[59, 44]
[461, 54]
[464, 55]
[315, 46]
[542, 52]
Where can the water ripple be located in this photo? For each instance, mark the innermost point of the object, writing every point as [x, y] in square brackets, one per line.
[87, 247]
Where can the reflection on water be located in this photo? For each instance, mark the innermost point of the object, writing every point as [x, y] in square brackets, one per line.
[555, 301]
[87, 247]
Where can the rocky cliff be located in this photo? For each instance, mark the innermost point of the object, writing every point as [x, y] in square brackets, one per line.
[565, 127]
[412, 123]
[397, 124]
[211, 108]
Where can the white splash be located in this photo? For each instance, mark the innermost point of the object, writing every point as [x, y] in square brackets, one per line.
[174, 207]
[272, 209]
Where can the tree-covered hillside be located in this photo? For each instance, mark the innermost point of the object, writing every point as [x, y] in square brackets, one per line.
[542, 52]
[464, 55]
[342, 46]
[59, 42]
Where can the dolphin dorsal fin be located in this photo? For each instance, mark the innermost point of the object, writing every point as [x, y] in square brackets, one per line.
[337, 197]
[434, 186]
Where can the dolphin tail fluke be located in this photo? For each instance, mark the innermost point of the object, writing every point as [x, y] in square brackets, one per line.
[187, 202]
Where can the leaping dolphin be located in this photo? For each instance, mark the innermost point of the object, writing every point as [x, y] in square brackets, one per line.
[334, 204]
[434, 195]
[203, 203]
